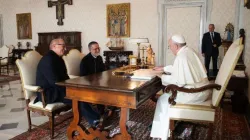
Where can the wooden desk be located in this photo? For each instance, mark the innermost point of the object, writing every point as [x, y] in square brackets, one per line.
[107, 89]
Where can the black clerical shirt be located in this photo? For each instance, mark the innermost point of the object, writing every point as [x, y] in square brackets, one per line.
[91, 64]
[51, 69]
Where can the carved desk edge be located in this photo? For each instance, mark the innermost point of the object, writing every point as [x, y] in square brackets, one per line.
[71, 85]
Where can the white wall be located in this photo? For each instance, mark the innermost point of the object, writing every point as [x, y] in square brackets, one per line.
[87, 16]
[223, 12]
[246, 26]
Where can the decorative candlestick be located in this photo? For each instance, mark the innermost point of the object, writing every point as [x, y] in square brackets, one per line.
[28, 45]
[19, 44]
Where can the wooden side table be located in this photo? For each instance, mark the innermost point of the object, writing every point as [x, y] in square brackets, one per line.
[226, 45]
[18, 53]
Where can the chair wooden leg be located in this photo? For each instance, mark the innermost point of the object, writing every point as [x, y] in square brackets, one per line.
[210, 131]
[8, 70]
[10, 88]
[14, 69]
[29, 120]
[51, 124]
[171, 127]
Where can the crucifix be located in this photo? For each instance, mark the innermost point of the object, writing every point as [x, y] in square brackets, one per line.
[59, 9]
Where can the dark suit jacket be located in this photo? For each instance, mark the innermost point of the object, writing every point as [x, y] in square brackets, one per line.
[90, 65]
[207, 45]
[51, 69]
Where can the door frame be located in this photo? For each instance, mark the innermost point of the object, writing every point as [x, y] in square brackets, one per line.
[163, 6]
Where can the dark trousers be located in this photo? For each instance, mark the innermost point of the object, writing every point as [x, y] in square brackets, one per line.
[85, 110]
[207, 62]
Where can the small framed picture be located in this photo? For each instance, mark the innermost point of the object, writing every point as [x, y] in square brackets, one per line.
[132, 60]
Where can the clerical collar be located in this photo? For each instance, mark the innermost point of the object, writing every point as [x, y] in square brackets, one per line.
[93, 55]
[182, 48]
[53, 53]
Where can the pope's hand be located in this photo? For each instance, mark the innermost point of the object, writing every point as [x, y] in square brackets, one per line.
[160, 68]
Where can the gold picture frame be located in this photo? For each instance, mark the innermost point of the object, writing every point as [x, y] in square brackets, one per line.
[247, 4]
[24, 28]
[132, 60]
[118, 20]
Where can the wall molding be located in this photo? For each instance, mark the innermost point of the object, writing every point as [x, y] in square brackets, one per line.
[1, 31]
[163, 5]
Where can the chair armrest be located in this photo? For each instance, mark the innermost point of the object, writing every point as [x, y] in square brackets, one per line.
[2, 58]
[175, 88]
[73, 76]
[32, 88]
[36, 89]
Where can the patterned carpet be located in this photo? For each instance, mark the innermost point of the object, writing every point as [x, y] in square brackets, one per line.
[7, 78]
[228, 126]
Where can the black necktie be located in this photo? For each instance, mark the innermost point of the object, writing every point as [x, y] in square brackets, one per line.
[212, 36]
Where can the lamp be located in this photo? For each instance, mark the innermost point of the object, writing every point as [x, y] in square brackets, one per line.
[138, 41]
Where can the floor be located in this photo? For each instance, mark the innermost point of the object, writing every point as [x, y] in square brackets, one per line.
[13, 118]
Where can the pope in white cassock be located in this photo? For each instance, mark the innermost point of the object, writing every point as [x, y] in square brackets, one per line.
[187, 71]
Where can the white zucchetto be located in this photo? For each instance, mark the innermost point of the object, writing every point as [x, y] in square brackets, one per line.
[178, 39]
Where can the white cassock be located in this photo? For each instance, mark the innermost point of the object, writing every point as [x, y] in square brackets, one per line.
[187, 71]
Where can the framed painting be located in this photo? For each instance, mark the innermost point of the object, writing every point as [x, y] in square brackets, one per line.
[118, 20]
[247, 4]
[24, 30]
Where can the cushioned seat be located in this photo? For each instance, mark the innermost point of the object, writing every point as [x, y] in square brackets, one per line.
[48, 107]
[73, 76]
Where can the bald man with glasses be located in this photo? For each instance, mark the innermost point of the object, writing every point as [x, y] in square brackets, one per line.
[52, 69]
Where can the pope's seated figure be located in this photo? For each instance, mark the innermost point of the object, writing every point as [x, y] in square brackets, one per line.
[187, 71]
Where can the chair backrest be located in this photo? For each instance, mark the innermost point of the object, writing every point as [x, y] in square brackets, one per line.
[11, 47]
[226, 70]
[27, 67]
[72, 61]
[4, 52]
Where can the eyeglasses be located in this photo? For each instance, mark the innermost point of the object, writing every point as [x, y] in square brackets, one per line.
[61, 45]
[96, 49]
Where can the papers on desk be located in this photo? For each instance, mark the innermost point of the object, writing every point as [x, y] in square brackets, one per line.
[239, 73]
[145, 74]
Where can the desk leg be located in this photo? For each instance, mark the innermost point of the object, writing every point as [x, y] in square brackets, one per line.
[123, 120]
[75, 124]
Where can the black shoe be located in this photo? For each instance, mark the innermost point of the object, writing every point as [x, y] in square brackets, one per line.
[107, 124]
[150, 127]
[97, 125]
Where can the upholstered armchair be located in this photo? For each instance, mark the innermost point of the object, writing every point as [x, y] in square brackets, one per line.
[27, 67]
[204, 112]
[72, 61]
[4, 59]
